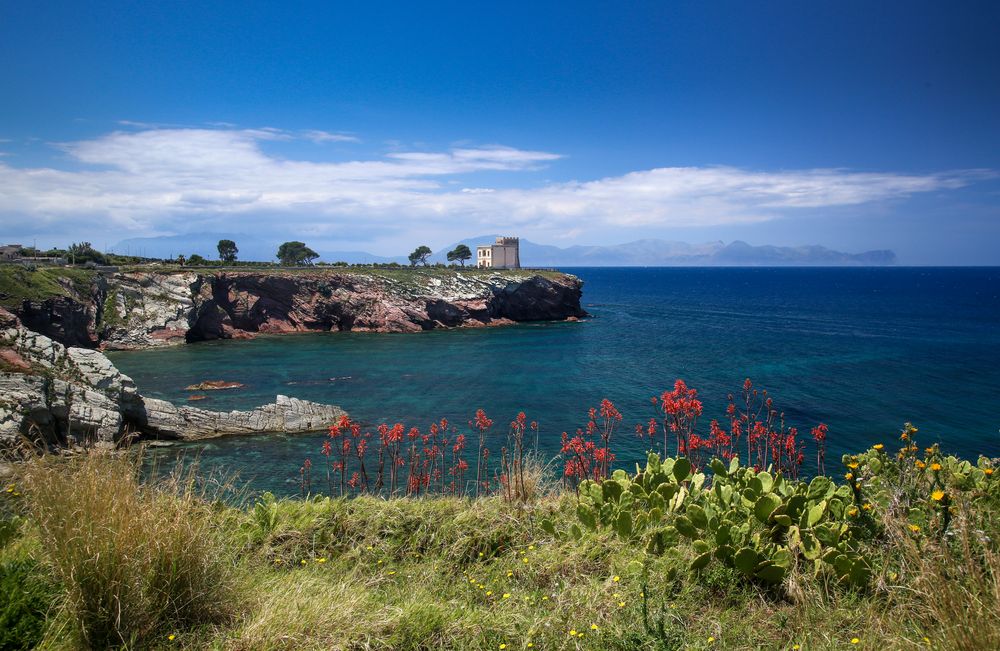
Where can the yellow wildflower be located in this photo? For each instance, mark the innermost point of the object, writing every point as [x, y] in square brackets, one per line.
[920, 465]
[852, 465]
[303, 561]
[621, 604]
[988, 471]
[937, 495]
[531, 547]
[935, 466]
[506, 595]
[616, 578]
[531, 645]
[391, 572]
[489, 593]
[878, 446]
[320, 560]
[593, 627]
[796, 647]
[503, 646]
[867, 506]
[849, 476]
[852, 511]
[914, 528]
[171, 637]
[711, 639]
[572, 633]
[854, 640]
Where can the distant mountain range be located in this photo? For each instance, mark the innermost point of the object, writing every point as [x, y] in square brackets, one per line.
[643, 253]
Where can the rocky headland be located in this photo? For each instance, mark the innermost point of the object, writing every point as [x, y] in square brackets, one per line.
[58, 387]
[65, 397]
[140, 309]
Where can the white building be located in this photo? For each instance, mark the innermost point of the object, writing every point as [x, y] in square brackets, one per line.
[502, 255]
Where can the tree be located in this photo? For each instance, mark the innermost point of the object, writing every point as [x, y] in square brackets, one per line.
[227, 250]
[460, 253]
[196, 259]
[295, 253]
[420, 255]
[84, 252]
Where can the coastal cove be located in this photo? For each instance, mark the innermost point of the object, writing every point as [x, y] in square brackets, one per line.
[861, 349]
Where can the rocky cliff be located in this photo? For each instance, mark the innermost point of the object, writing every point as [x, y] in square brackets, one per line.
[69, 396]
[150, 308]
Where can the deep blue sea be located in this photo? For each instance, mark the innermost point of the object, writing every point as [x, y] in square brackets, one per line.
[861, 349]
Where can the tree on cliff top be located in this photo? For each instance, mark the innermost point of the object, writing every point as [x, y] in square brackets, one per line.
[296, 253]
[227, 250]
[460, 253]
[420, 255]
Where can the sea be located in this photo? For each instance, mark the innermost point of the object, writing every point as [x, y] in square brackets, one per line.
[863, 350]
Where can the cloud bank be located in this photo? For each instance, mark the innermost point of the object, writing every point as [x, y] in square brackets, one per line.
[168, 180]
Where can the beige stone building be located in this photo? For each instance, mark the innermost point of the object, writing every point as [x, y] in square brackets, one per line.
[504, 254]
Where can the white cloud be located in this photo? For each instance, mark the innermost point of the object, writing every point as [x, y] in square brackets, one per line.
[319, 136]
[162, 180]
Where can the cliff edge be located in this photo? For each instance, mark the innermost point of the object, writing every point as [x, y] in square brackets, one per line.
[144, 308]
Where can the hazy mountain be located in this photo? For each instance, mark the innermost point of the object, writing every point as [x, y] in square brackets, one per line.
[664, 253]
[645, 253]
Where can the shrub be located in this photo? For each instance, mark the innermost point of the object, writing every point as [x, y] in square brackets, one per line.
[135, 560]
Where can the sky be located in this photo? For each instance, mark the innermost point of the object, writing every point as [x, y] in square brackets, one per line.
[378, 126]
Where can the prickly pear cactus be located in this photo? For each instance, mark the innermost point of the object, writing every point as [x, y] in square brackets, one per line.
[755, 522]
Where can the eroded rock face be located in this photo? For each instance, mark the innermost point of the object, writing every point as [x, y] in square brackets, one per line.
[139, 310]
[68, 320]
[79, 396]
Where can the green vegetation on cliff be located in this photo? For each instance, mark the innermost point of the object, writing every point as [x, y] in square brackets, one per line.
[19, 283]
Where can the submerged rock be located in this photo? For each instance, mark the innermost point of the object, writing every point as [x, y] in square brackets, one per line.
[214, 385]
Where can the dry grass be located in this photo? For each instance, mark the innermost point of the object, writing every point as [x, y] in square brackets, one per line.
[958, 580]
[134, 561]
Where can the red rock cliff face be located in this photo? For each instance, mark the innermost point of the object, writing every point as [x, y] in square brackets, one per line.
[230, 305]
[144, 309]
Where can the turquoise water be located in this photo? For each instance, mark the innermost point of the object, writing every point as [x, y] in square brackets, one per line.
[862, 350]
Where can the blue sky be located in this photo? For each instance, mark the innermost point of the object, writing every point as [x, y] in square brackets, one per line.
[377, 126]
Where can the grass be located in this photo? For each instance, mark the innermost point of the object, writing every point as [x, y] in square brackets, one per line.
[19, 283]
[133, 561]
[134, 564]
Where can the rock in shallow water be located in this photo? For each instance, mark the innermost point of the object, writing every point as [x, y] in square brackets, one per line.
[82, 397]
